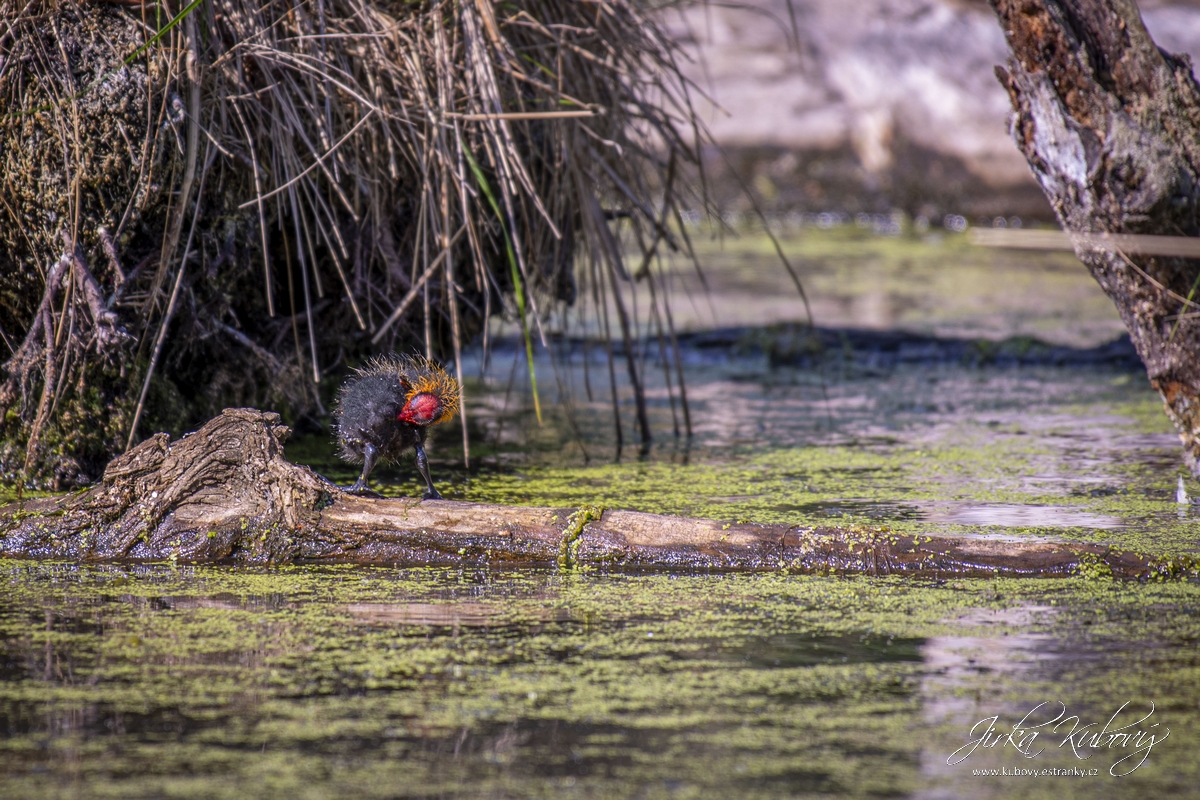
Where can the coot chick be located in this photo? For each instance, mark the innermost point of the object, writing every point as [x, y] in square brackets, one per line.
[387, 407]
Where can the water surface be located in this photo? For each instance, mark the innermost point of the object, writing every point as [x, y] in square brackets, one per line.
[378, 682]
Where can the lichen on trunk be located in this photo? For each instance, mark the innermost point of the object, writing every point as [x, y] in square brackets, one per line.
[1110, 126]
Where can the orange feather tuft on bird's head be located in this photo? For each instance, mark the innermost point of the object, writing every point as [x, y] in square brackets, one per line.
[429, 379]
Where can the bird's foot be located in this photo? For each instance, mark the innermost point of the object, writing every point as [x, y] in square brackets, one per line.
[431, 494]
[362, 490]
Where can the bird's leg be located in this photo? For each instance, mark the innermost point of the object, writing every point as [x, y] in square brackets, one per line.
[360, 487]
[423, 468]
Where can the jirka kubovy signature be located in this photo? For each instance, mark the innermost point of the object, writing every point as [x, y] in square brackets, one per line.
[1084, 740]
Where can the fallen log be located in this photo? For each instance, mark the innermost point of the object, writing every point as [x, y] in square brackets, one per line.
[226, 494]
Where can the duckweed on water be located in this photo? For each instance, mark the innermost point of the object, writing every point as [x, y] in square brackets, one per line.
[919, 484]
[374, 682]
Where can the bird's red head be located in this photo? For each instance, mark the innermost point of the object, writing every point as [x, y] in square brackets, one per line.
[423, 408]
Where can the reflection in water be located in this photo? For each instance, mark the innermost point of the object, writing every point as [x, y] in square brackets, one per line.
[965, 682]
[1030, 516]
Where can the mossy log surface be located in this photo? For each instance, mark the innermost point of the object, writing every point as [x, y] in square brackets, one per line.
[226, 494]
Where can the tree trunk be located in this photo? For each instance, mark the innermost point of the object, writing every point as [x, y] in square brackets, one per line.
[1110, 126]
[226, 494]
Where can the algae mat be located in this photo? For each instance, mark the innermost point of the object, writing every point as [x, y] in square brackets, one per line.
[335, 682]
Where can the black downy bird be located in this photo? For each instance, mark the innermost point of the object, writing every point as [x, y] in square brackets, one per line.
[387, 407]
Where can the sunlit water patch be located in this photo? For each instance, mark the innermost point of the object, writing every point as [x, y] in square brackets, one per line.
[1031, 516]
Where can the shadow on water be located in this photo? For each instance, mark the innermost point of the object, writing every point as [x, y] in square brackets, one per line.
[853, 509]
[788, 650]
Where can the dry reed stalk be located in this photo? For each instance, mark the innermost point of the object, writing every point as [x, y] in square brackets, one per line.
[493, 143]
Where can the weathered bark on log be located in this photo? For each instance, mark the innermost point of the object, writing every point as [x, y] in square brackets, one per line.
[225, 494]
[1110, 126]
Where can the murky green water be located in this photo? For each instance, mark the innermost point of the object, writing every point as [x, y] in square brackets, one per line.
[338, 682]
[314, 682]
